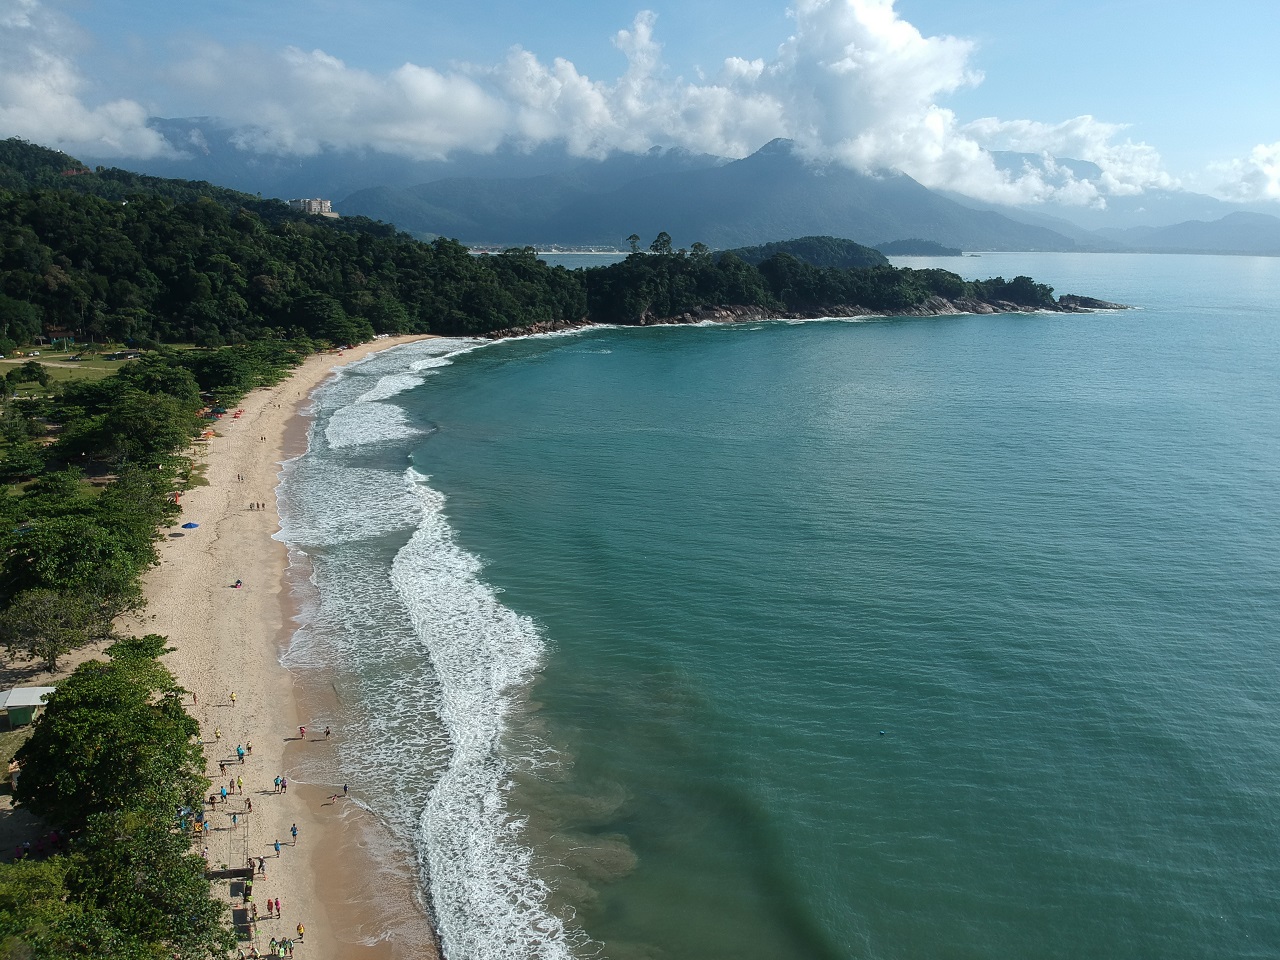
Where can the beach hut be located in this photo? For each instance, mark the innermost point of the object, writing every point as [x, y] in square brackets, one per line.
[21, 705]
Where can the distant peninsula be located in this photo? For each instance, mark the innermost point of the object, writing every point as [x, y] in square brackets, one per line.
[109, 255]
[915, 247]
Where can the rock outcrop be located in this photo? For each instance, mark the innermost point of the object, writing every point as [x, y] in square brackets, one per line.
[738, 313]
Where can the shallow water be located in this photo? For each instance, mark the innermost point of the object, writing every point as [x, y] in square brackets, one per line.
[949, 637]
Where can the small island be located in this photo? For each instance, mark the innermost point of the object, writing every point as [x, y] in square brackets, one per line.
[915, 247]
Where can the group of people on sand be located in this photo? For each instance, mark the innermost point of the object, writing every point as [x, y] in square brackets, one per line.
[257, 866]
[277, 948]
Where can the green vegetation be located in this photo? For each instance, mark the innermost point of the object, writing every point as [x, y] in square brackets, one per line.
[111, 763]
[917, 248]
[109, 255]
[817, 252]
[646, 286]
[115, 754]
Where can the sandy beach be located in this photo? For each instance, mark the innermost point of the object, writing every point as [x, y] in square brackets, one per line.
[228, 640]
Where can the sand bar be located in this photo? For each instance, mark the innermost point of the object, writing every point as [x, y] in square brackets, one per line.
[229, 640]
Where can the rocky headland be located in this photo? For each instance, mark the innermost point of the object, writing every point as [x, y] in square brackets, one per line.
[730, 313]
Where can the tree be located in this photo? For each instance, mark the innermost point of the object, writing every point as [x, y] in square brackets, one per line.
[633, 242]
[22, 462]
[114, 736]
[112, 759]
[661, 243]
[70, 553]
[143, 877]
[41, 920]
[45, 624]
[19, 321]
[34, 371]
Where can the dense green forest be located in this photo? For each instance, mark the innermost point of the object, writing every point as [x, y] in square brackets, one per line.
[816, 251]
[916, 247]
[110, 255]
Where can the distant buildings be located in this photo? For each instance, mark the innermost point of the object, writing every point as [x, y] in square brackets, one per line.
[322, 207]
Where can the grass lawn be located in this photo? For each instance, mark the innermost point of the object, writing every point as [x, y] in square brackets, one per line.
[61, 368]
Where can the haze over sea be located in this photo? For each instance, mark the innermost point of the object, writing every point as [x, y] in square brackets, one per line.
[890, 639]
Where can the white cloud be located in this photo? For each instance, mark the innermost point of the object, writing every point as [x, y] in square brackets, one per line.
[298, 102]
[854, 84]
[1127, 167]
[42, 94]
[1252, 178]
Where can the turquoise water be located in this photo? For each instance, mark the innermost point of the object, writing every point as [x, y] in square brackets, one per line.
[896, 639]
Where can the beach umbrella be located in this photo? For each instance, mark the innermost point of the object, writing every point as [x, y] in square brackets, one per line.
[190, 526]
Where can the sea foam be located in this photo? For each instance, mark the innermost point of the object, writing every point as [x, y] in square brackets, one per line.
[427, 661]
[488, 902]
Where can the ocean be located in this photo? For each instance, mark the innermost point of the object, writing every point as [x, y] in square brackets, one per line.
[948, 637]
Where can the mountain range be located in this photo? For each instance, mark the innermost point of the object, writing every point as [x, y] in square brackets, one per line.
[544, 196]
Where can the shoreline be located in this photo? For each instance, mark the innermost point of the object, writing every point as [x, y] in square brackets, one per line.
[731, 313]
[335, 878]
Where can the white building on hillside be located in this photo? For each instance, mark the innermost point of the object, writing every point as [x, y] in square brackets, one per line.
[322, 207]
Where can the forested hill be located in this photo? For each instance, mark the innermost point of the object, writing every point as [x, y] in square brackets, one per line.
[817, 252]
[110, 255]
[26, 167]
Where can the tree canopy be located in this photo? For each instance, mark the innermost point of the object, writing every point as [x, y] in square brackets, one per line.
[112, 760]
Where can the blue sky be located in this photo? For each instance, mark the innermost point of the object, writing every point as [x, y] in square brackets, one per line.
[1159, 94]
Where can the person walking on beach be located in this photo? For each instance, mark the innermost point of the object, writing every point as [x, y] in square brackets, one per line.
[277, 848]
[294, 830]
[327, 733]
[284, 784]
[248, 747]
[248, 804]
[301, 931]
[233, 698]
[217, 733]
[277, 782]
[240, 785]
[302, 733]
[222, 767]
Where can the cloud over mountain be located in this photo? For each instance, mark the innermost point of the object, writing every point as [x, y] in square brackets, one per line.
[42, 93]
[1255, 177]
[853, 83]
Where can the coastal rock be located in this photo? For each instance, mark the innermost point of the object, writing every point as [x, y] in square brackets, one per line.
[548, 326]
[1073, 303]
[742, 313]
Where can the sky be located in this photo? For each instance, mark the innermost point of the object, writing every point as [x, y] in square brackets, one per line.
[1160, 94]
